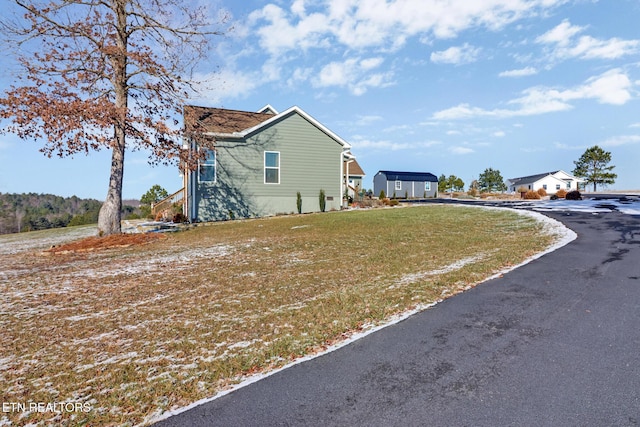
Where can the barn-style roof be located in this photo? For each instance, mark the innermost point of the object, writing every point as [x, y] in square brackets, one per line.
[409, 176]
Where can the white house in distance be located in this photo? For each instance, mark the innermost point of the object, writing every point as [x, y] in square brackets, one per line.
[551, 182]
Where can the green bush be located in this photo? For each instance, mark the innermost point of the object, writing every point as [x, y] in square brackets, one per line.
[299, 202]
[382, 195]
[323, 201]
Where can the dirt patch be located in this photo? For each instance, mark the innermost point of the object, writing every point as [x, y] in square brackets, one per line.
[107, 242]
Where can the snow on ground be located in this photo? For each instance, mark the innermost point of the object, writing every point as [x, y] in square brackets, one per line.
[629, 206]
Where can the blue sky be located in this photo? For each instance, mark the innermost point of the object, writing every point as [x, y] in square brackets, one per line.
[449, 87]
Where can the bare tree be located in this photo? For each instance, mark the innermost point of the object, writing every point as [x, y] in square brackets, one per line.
[108, 74]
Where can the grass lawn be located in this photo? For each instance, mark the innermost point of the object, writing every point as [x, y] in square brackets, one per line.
[132, 332]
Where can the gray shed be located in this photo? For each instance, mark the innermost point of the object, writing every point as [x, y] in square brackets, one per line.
[409, 184]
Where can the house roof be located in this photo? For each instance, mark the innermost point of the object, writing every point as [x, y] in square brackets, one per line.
[223, 123]
[409, 176]
[354, 169]
[534, 178]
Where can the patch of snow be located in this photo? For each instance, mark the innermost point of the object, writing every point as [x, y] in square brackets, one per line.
[412, 278]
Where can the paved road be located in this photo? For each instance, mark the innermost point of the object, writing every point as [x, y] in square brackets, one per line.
[553, 343]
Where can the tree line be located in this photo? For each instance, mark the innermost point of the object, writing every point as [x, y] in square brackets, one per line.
[32, 211]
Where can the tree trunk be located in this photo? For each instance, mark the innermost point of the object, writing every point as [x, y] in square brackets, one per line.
[110, 212]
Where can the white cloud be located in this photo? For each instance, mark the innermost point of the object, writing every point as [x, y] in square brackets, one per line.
[527, 71]
[360, 142]
[367, 120]
[382, 23]
[456, 55]
[461, 150]
[499, 134]
[612, 87]
[214, 88]
[564, 44]
[353, 74]
[616, 141]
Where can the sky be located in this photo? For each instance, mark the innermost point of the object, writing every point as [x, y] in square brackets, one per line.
[449, 87]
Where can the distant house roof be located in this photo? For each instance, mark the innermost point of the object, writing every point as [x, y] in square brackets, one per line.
[534, 178]
[409, 176]
[354, 169]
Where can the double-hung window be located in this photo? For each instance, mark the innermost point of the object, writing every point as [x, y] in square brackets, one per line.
[271, 167]
[207, 170]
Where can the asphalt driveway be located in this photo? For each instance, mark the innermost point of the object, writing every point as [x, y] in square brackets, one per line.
[553, 343]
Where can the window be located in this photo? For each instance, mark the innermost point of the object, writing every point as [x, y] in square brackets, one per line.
[557, 186]
[398, 185]
[271, 167]
[544, 186]
[568, 186]
[208, 167]
[427, 186]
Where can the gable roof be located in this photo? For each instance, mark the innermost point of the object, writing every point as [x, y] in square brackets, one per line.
[534, 178]
[409, 176]
[354, 168]
[223, 123]
[220, 120]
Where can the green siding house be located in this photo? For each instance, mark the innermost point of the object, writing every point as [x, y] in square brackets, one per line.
[254, 164]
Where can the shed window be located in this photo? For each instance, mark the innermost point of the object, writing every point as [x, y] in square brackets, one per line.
[398, 185]
[271, 167]
[207, 169]
[427, 186]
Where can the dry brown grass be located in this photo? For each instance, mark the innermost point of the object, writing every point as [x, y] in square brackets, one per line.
[132, 332]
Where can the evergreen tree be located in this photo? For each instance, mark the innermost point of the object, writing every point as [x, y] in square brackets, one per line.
[491, 180]
[594, 167]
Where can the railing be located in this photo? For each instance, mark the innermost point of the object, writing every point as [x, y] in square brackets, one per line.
[166, 205]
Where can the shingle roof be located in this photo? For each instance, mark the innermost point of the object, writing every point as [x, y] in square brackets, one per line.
[409, 176]
[354, 169]
[531, 178]
[219, 120]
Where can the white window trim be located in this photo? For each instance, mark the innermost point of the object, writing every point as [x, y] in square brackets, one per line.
[264, 175]
[209, 165]
[398, 185]
[427, 186]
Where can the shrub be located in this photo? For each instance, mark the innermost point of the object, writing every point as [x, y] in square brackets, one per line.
[562, 193]
[299, 202]
[573, 195]
[394, 202]
[386, 201]
[532, 195]
[179, 218]
[323, 201]
[382, 195]
[542, 192]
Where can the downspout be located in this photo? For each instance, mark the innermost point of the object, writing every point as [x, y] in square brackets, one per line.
[346, 184]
